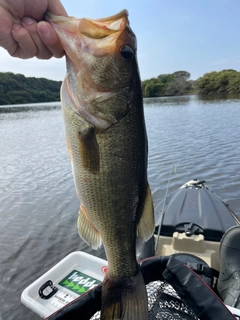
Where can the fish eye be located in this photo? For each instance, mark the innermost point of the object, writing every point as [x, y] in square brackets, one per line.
[127, 53]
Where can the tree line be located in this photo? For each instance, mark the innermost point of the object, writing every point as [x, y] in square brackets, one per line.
[176, 83]
[179, 83]
[18, 89]
[225, 81]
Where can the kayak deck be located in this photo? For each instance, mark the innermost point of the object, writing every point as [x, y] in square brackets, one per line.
[195, 244]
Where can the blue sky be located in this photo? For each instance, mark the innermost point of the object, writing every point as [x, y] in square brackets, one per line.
[198, 36]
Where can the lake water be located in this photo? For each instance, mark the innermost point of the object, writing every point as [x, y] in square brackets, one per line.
[188, 138]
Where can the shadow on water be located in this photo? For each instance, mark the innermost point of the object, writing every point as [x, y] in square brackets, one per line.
[29, 107]
[218, 98]
[167, 101]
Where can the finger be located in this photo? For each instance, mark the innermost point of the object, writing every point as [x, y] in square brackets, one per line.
[50, 39]
[6, 39]
[9, 43]
[31, 26]
[26, 46]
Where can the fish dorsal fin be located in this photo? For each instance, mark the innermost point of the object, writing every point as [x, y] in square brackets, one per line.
[146, 225]
[87, 231]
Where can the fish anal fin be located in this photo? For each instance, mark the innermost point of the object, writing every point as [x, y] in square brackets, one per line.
[87, 231]
[89, 150]
[146, 224]
[124, 298]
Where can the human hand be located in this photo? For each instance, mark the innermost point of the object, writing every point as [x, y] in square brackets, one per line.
[23, 31]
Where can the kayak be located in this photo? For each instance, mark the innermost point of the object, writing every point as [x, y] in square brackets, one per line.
[193, 220]
[191, 224]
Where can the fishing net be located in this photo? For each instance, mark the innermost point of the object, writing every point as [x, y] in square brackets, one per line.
[175, 292]
[163, 303]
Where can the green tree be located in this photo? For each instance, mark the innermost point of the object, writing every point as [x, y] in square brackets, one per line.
[219, 82]
[177, 86]
[151, 88]
[181, 75]
[165, 78]
[16, 88]
[167, 84]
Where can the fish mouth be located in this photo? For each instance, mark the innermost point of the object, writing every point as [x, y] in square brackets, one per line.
[83, 39]
[85, 31]
[115, 22]
[101, 28]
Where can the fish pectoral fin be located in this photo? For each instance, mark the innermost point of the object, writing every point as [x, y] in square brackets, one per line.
[146, 225]
[87, 231]
[89, 150]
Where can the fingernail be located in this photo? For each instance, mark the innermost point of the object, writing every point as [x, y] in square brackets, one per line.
[16, 27]
[43, 29]
[27, 20]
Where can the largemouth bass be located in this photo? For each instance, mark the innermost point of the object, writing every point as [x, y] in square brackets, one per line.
[106, 137]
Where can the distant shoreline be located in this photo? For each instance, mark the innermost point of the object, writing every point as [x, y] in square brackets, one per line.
[17, 90]
[179, 83]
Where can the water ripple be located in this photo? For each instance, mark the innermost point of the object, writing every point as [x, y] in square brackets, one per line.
[188, 138]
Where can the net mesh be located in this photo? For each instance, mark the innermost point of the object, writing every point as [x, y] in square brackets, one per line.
[163, 303]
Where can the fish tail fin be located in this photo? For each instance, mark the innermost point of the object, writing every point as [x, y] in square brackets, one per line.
[124, 299]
